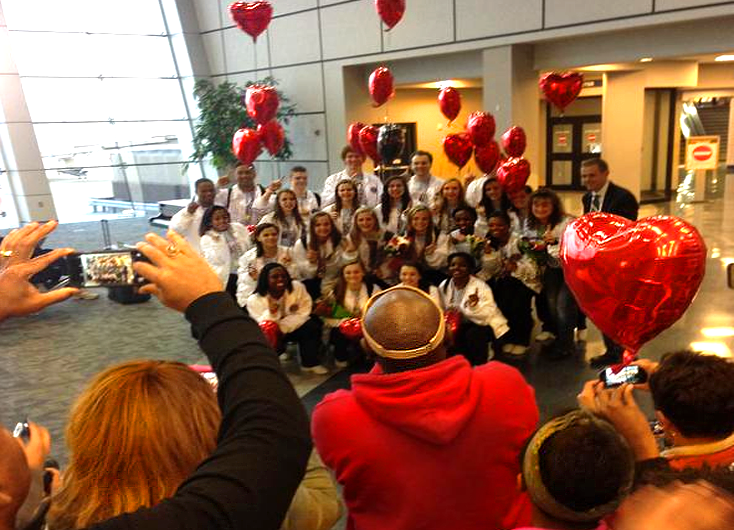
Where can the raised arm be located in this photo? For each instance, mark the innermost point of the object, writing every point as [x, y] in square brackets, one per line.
[263, 443]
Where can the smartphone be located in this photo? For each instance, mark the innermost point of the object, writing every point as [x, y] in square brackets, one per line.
[23, 431]
[631, 374]
[105, 268]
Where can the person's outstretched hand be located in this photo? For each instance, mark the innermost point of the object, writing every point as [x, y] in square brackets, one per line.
[178, 274]
[19, 296]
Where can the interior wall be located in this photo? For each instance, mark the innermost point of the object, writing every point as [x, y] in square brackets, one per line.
[421, 106]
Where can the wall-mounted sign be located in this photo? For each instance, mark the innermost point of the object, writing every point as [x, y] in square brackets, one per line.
[702, 152]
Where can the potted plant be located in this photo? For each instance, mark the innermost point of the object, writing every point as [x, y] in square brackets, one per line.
[222, 113]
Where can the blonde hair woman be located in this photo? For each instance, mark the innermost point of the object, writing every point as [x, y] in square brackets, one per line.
[142, 427]
[135, 433]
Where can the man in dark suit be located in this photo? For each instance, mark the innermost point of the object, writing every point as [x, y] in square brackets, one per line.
[605, 196]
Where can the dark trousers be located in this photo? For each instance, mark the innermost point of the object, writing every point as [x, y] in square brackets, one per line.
[561, 307]
[612, 348]
[313, 287]
[345, 349]
[541, 308]
[308, 337]
[514, 298]
[472, 341]
[231, 287]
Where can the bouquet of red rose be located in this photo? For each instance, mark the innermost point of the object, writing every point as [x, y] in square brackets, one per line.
[537, 249]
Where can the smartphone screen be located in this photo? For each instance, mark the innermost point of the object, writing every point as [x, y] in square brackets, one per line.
[631, 374]
[105, 268]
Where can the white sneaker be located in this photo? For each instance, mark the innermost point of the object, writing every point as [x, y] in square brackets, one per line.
[316, 370]
[519, 350]
[544, 336]
[581, 335]
[341, 364]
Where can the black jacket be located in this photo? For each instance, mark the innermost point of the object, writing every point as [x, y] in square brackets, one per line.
[617, 200]
[263, 443]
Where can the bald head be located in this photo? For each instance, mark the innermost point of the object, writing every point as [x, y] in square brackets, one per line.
[404, 319]
[15, 478]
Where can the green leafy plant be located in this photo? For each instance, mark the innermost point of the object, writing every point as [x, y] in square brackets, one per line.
[222, 113]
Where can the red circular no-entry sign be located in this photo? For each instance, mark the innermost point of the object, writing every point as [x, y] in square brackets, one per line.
[702, 153]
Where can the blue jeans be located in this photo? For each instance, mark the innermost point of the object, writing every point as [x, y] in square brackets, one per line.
[562, 307]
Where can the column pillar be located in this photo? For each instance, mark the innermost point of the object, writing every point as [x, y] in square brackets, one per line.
[623, 113]
[28, 196]
[510, 93]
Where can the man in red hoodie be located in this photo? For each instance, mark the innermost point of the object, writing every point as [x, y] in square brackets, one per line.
[423, 441]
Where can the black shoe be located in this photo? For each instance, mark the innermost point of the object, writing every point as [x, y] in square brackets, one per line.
[607, 359]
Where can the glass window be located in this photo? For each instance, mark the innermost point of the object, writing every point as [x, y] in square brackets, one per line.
[91, 55]
[591, 138]
[75, 100]
[562, 173]
[95, 16]
[563, 138]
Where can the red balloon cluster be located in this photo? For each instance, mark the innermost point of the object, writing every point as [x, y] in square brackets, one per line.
[246, 145]
[458, 148]
[633, 279]
[368, 142]
[272, 136]
[513, 173]
[353, 136]
[481, 127]
[390, 11]
[449, 101]
[561, 89]
[251, 17]
[262, 104]
[381, 85]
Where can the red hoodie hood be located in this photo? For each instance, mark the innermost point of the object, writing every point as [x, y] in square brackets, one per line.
[432, 403]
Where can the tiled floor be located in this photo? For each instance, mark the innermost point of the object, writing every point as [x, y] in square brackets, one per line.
[47, 358]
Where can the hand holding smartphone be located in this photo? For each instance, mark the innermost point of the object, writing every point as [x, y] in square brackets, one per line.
[631, 374]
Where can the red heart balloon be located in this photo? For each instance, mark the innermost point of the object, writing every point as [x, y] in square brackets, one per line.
[513, 174]
[368, 142]
[633, 279]
[452, 317]
[481, 128]
[449, 101]
[272, 333]
[458, 148]
[381, 85]
[514, 141]
[561, 89]
[246, 145]
[261, 103]
[487, 157]
[390, 11]
[351, 328]
[272, 136]
[353, 136]
[251, 17]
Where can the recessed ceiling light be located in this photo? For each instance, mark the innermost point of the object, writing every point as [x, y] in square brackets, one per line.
[646, 60]
[723, 58]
